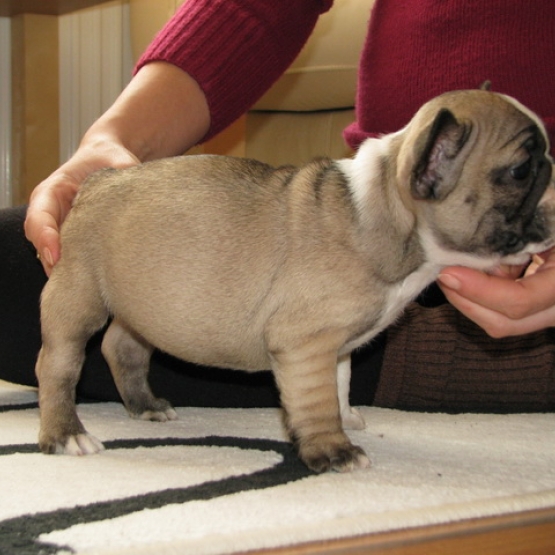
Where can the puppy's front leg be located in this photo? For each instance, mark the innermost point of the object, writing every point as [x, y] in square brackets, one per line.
[307, 380]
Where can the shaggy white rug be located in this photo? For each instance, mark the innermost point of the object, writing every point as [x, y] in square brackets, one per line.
[225, 480]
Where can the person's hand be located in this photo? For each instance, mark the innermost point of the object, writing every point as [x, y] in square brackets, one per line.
[162, 112]
[52, 199]
[501, 304]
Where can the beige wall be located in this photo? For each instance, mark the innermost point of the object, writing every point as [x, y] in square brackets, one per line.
[35, 107]
[56, 95]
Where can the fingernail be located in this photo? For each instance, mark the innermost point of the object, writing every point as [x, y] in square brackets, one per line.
[47, 255]
[449, 281]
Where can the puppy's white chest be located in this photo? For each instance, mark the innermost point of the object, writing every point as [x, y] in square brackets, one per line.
[403, 293]
[397, 299]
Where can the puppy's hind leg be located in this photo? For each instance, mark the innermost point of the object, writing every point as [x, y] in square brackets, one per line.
[70, 314]
[128, 356]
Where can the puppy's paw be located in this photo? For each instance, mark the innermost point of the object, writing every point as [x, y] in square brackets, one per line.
[77, 445]
[151, 408]
[352, 419]
[83, 444]
[340, 458]
[158, 415]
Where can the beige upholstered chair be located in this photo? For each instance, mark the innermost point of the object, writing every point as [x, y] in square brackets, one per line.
[304, 113]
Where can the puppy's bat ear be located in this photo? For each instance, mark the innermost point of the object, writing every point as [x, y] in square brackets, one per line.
[437, 168]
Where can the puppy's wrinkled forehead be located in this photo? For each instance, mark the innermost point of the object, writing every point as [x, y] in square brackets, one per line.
[502, 122]
[517, 132]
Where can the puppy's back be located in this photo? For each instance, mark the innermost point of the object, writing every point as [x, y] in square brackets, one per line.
[172, 239]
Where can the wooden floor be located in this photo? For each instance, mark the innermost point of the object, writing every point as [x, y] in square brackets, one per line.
[529, 533]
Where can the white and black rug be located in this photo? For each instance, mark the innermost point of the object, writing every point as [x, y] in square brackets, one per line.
[226, 480]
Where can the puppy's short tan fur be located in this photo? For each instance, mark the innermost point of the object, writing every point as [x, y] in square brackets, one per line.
[233, 263]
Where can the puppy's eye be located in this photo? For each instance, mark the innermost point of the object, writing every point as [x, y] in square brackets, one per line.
[523, 171]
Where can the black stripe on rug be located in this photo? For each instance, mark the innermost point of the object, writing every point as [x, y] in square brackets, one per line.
[20, 535]
[22, 406]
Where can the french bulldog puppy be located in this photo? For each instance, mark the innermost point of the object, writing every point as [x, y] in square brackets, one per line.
[233, 263]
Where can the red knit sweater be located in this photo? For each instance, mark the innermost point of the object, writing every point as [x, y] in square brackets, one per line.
[415, 49]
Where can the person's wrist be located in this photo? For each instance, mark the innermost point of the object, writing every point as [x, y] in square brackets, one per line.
[101, 150]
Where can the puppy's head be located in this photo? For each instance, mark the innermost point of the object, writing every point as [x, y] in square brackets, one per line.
[479, 174]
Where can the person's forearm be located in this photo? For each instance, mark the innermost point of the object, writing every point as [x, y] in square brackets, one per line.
[162, 112]
[234, 49]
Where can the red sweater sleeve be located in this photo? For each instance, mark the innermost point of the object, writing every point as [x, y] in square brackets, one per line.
[235, 49]
[416, 50]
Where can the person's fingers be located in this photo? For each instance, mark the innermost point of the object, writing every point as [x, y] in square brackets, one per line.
[49, 204]
[497, 324]
[514, 298]
[48, 207]
[52, 199]
[501, 305]
[49, 252]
